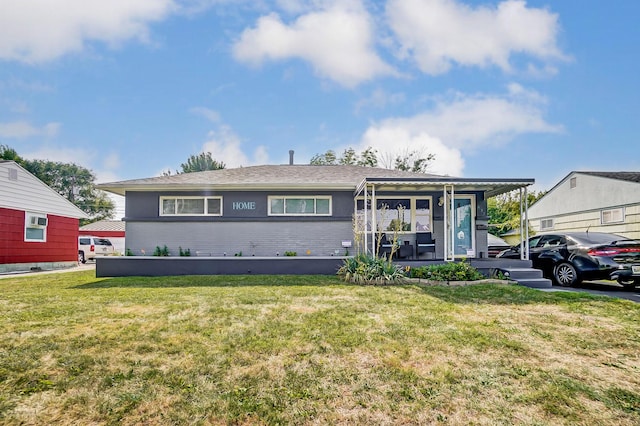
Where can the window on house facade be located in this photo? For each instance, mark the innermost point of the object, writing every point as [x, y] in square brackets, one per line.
[35, 227]
[612, 216]
[300, 206]
[407, 214]
[190, 206]
[573, 182]
[546, 224]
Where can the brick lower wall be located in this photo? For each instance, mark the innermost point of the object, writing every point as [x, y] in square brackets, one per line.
[229, 238]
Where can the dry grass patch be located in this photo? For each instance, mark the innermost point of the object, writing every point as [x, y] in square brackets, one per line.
[311, 350]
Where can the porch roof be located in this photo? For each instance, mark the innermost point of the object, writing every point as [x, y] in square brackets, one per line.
[491, 187]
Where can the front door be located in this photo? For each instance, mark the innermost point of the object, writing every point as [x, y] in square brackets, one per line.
[463, 237]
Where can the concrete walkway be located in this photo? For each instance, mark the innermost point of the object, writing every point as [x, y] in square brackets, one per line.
[81, 267]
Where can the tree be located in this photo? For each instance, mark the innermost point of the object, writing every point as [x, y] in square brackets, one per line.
[413, 161]
[74, 182]
[504, 210]
[326, 159]
[198, 163]
[349, 157]
[368, 158]
[7, 153]
[201, 162]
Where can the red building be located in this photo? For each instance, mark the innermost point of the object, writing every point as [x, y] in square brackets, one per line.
[38, 227]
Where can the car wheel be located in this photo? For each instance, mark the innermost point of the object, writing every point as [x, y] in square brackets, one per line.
[81, 258]
[565, 275]
[628, 283]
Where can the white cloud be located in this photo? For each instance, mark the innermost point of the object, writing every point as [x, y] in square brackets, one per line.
[225, 145]
[439, 33]
[379, 98]
[36, 31]
[337, 41]
[391, 139]
[209, 114]
[462, 123]
[80, 156]
[111, 161]
[24, 129]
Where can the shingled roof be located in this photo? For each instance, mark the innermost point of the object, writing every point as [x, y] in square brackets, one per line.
[299, 177]
[267, 176]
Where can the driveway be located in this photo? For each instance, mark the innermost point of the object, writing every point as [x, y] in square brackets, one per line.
[602, 288]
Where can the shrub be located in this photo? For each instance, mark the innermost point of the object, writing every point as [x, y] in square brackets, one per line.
[128, 252]
[365, 269]
[186, 252]
[164, 251]
[290, 253]
[450, 271]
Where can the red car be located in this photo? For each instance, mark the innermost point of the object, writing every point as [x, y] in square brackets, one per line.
[569, 258]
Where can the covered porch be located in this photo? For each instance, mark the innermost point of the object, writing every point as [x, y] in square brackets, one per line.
[430, 218]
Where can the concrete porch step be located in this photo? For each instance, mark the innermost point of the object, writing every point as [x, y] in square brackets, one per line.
[528, 277]
[535, 282]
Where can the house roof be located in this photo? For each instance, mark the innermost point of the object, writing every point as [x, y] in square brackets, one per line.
[626, 176]
[21, 190]
[105, 225]
[288, 177]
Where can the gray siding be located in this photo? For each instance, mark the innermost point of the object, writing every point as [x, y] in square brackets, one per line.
[146, 205]
[251, 238]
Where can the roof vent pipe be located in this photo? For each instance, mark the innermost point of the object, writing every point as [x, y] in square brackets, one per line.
[291, 157]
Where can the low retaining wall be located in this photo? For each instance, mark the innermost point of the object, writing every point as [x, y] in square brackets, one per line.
[151, 266]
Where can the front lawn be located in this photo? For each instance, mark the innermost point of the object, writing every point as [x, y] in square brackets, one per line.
[75, 349]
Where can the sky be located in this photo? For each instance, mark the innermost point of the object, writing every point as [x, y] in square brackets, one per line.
[496, 89]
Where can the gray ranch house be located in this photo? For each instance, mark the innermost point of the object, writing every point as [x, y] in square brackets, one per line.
[309, 210]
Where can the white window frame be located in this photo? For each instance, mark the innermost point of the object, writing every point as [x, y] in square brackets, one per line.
[37, 218]
[178, 197]
[284, 199]
[611, 211]
[412, 203]
[546, 228]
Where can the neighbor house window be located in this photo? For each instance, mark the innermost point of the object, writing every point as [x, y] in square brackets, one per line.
[300, 206]
[546, 224]
[612, 216]
[190, 206]
[35, 227]
[407, 214]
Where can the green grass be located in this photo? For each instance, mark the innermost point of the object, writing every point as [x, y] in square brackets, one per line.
[75, 349]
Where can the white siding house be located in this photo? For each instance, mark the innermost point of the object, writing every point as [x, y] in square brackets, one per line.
[597, 201]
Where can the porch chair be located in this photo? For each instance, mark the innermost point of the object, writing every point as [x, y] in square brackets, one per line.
[384, 246]
[425, 244]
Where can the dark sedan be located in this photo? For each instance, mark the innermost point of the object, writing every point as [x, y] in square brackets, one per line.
[569, 258]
